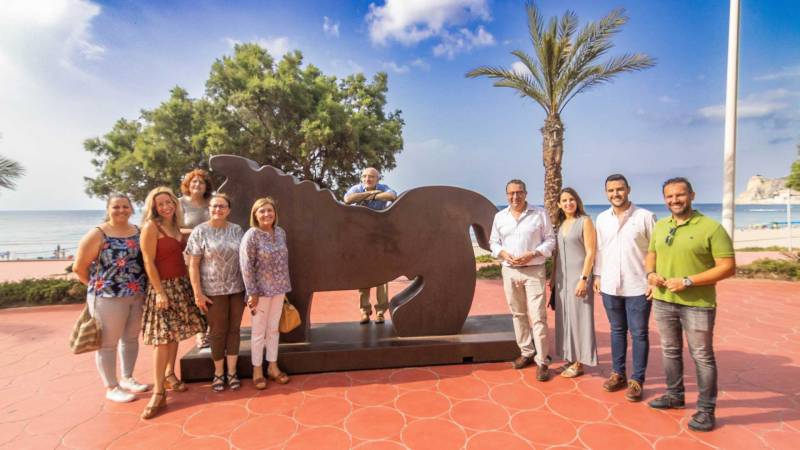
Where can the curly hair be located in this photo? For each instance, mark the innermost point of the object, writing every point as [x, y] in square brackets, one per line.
[187, 179]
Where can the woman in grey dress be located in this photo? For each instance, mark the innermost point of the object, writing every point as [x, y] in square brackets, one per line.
[572, 273]
[196, 188]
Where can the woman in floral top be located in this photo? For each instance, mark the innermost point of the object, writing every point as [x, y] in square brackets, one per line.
[213, 250]
[108, 261]
[264, 260]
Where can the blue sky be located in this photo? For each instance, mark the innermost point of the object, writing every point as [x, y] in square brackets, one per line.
[70, 68]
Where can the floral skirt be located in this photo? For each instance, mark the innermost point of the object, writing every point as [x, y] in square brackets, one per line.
[181, 319]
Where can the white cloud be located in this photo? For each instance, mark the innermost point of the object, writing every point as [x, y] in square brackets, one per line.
[277, 46]
[37, 33]
[519, 68]
[421, 63]
[329, 27]
[396, 68]
[412, 21]
[784, 73]
[755, 106]
[667, 99]
[461, 41]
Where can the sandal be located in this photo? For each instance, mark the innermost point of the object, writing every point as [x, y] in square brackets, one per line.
[218, 384]
[280, 378]
[233, 382]
[260, 383]
[572, 372]
[177, 385]
[151, 411]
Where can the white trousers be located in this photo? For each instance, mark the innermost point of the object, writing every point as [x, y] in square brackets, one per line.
[524, 289]
[265, 332]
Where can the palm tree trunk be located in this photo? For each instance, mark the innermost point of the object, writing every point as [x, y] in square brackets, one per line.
[552, 151]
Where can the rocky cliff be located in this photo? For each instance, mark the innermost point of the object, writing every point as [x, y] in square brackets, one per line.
[762, 190]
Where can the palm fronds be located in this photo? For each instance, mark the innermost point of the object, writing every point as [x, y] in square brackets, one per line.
[10, 170]
[564, 63]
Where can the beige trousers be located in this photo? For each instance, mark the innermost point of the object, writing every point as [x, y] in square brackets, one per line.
[524, 289]
[382, 294]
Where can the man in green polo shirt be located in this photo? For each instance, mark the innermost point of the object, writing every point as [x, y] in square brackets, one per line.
[689, 253]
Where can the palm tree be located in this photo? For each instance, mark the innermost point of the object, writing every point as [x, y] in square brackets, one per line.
[565, 64]
[10, 170]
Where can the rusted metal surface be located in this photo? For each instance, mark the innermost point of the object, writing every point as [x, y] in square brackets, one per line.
[423, 235]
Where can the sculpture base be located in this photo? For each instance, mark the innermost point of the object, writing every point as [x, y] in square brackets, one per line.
[352, 346]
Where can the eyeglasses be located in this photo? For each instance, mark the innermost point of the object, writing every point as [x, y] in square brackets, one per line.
[218, 207]
[517, 193]
[671, 235]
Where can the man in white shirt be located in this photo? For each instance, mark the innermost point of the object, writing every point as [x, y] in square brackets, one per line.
[623, 237]
[523, 238]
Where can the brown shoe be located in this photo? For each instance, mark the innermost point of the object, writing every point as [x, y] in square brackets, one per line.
[379, 318]
[364, 318]
[634, 392]
[542, 373]
[522, 361]
[615, 382]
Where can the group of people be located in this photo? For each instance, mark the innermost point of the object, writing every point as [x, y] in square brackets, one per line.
[138, 282]
[637, 264]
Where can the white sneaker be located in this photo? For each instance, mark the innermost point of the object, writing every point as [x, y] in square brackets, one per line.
[119, 396]
[131, 385]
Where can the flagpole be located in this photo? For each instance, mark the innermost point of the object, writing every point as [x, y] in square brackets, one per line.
[729, 170]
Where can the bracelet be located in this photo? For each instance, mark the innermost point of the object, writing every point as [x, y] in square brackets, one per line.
[649, 273]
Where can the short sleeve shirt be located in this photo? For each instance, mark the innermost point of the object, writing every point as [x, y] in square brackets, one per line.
[692, 249]
[371, 204]
[219, 249]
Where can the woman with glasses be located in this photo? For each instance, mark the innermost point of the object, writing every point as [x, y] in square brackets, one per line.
[572, 285]
[213, 250]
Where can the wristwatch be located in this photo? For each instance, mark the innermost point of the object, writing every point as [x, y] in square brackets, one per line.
[687, 282]
[584, 278]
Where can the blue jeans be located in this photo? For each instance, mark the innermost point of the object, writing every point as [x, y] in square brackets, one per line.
[629, 313]
[698, 323]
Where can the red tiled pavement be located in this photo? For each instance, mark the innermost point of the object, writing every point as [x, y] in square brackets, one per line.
[52, 399]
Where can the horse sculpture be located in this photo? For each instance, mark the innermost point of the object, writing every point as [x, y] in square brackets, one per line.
[423, 235]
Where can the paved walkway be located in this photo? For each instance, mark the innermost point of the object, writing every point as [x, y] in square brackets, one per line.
[52, 399]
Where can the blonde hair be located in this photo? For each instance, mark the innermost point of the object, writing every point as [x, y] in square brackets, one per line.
[151, 211]
[259, 204]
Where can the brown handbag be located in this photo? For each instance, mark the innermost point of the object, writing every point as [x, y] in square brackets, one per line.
[290, 318]
[86, 334]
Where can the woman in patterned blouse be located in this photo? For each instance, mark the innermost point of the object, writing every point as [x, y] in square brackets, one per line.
[264, 260]
[213, 250]
[108, 261]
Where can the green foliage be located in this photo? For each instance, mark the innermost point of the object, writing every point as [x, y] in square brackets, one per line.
[773, 269]
[793, 182]
[41, 291]
[565, 62]
[10, 170]
[283, 113]
[492, 272]
[485, 259]
[771, 248]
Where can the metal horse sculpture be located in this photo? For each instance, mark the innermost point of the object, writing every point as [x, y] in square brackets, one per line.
[423, 235]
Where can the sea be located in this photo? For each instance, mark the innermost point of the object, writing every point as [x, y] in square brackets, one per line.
[51, 234]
